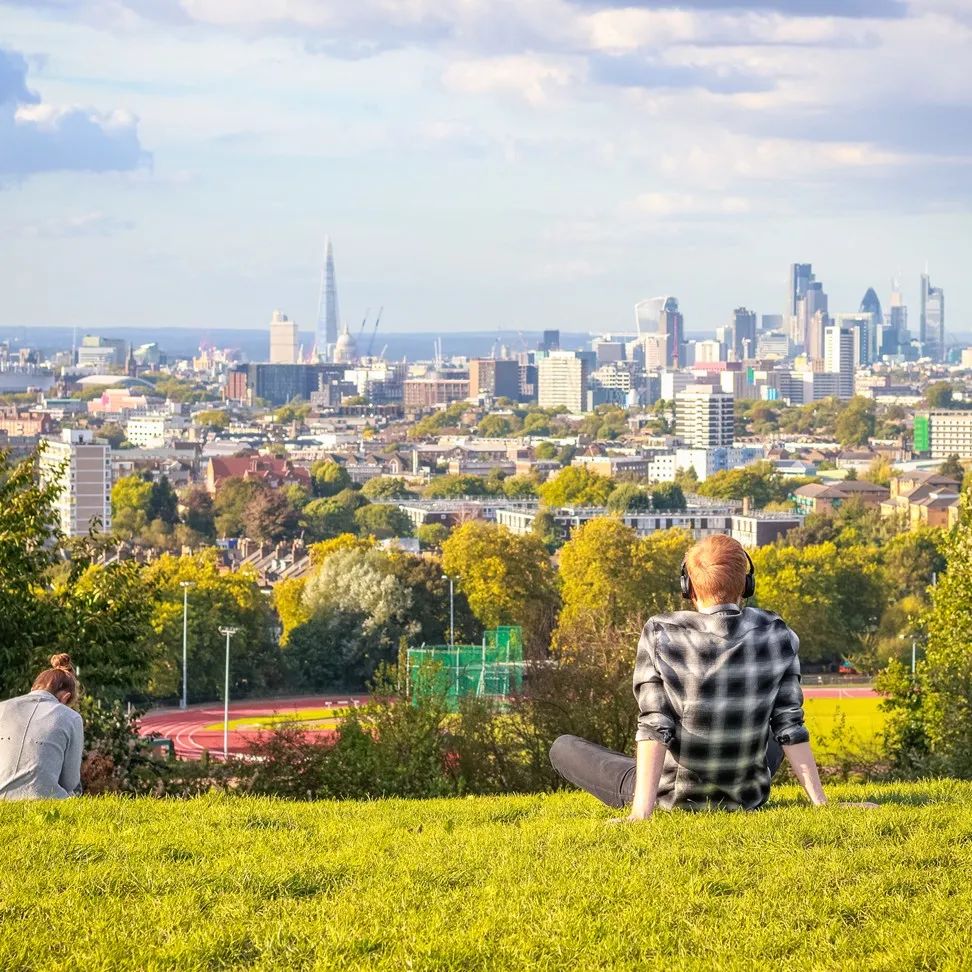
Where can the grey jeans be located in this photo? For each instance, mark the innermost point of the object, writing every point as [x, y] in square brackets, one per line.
[610, 776]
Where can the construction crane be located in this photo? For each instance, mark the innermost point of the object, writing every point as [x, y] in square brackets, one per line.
[364, 320]
[374, 331]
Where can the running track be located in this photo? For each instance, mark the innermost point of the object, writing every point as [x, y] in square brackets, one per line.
[190, 735]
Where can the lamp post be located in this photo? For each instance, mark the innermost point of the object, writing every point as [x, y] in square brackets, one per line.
[229, 632]
[452, 610]
[184, 700]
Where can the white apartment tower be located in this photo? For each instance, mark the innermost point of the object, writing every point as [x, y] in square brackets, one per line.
[283, 339]
[704, 417]
[82, 469]
[839, 356]
[562, 380]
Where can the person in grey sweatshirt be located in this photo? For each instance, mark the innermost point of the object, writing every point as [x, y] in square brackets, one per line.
[42, 737]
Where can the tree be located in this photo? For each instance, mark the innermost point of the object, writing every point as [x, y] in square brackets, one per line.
[215, 598]
[383, 521]
[197, 512]
[855, 423]
[329, 477]
[546, 529]
[519, 487]
[628, 496]
[757, 482]
[269, 517]
[454, 486]
[214, 418]
[386, 487]
[288, 602]
[609, 576]
[113, 434]
[507, 578]
[952, 467]
[326, 518]
[432, 535]
[131, 499]
[576, 486]
[230, 505]
[939, 394]
[667, 496]
[163, 503]
[545, 450]
[879, 472]
[497, 426]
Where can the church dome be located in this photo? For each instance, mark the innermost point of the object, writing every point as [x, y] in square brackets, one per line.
[346, 348]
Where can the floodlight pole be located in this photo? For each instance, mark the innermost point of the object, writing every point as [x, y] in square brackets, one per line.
[452, 610]
[184, 700]
[229, 632]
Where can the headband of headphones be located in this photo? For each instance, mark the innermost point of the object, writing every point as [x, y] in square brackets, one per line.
[749, 587]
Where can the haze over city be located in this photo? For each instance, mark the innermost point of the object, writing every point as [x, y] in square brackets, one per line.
[478, 166]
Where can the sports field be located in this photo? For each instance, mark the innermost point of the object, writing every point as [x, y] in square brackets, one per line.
[542, 882]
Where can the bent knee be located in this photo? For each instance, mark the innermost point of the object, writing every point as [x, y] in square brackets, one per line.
[560, 748]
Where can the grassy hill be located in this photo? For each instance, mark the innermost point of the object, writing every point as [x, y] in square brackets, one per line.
[490, 883]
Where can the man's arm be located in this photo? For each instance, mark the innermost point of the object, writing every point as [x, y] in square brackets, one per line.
[804, 766]
[648, 771]
[70, 776]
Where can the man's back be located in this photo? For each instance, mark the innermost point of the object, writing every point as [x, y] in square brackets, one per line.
[712, 685]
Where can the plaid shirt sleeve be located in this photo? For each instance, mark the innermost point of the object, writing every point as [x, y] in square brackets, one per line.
[786, 720]
[656, 721]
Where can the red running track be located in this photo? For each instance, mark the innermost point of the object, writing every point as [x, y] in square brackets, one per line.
[188, 732]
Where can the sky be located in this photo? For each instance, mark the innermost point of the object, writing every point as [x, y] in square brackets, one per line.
[478, 164]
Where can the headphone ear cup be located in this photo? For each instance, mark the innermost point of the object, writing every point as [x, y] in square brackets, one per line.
[749, 588]
[684, 584]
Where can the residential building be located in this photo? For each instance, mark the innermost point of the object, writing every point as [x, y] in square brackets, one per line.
[419, 393]
[923, 499]
[283, 339]
[704, 418]
[562, 377]
[940, 433]
[269, 470]
[278, 384]
[154, 430]
[81, 469]
[615, 467]
[494, 378]
[117, 403]
[16, 423]
[839, 355]
[827, 497]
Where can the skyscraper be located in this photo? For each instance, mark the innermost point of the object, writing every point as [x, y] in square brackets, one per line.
[812, 318]
[672, 325]
[801, 276]
[283, 339]
[932, 325]
[839, 354]
[744, 333]
[562, 379]
[704, 417]
[896, 336]
[80, 468]
[871, 306]
[327, 306]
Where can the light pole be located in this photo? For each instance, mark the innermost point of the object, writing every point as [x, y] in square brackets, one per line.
[184, 701]
[229, 632]
[452, 610]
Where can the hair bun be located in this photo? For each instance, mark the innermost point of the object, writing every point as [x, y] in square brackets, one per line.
[63, 662]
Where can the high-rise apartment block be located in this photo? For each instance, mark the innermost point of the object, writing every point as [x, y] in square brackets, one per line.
[81, 469]
[494, 378]
[941, 433]
[932, 332]
[283, 339]
[562, 378]
[704, 417]
[841, 347]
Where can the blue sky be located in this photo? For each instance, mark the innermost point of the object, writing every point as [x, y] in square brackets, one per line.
[479, 164]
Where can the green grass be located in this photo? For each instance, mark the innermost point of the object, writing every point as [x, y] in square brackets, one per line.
[491, 883]
[862, 718]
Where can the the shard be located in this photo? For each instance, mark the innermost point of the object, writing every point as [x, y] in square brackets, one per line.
[327, 307]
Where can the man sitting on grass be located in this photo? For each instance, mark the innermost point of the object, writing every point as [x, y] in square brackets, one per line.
[719, 697]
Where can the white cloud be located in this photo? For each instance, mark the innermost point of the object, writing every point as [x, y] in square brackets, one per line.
[689, 204]
[532, 79]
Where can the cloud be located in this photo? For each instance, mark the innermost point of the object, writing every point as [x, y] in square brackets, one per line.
[677, 204]
[533, 79]
[86, 224]
[37, 137]
[877, 9]
[634, 71]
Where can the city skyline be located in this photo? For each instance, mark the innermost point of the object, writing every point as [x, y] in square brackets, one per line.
[479, 166]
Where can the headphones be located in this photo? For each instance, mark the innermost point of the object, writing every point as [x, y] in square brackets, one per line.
[749, 587]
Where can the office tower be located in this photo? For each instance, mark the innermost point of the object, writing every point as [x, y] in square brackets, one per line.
[550, 341]
[801, 276]
[839, 354]
[871, 306]
[744, 333]
[897, 337]
[283, 339]
[608, 350]
[704, 417]
[771, 322]
[102, 354]
[494, 378]
[647, 313]
[860, 326]
[81, 469]
[652, 346]
[932, 323]
[708, 352]
[672, 326]
[562, 378]
[327, 306]
[812, 319]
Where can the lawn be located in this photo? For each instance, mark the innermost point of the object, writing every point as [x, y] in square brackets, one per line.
[488, 883]
[862, 719]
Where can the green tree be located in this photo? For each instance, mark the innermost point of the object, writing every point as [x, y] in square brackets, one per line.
[215, 599]
[197, 512]
[628, 496]
[387, 487]
[432, 535]
[382, 521]
[879, 471]
[455, 486]
[131, 500]
[507, 578]
[497, 426]
[113, 434]
[576, 486]
[667, 496]
[213, 418]
[325, 519]
[856, 422]
[230, 505]
[329, 477]
[952, 467]
[519, 487]
[545, 451]
[270, 517]
[939, 394]
[163, 502]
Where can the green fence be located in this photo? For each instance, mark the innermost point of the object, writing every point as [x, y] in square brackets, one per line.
[493, 669]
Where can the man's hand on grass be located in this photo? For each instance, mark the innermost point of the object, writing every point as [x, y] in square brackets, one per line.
[863, 804]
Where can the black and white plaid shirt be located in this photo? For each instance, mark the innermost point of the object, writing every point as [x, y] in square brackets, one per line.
[712, 685]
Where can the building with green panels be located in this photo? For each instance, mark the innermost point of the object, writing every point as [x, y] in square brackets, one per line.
[922, 441]
[944, 432]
